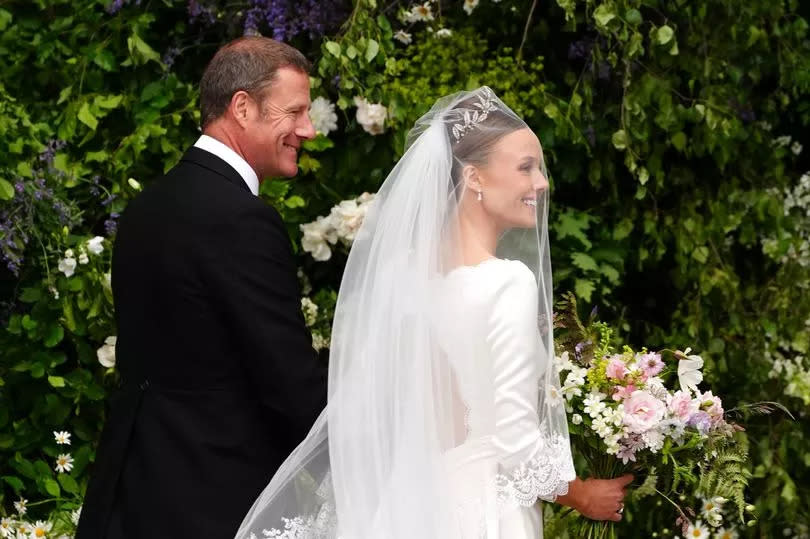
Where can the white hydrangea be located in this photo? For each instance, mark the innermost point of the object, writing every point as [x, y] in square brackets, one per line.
[310, 310]
[371, 116]
[323, 116]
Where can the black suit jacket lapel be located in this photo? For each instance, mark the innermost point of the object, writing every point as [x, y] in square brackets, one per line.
[215, 164]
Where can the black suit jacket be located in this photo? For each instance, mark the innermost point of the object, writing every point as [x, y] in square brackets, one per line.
[220, 381]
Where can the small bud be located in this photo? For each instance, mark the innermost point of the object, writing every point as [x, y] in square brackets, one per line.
[134, 184]
[751, 523]
[750, 508]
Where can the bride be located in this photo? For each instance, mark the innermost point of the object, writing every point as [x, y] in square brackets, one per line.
[445, 418]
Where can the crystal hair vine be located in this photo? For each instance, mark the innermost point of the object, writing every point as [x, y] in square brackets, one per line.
[486, 104]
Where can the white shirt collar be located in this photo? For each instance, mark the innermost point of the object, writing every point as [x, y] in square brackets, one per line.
[212, 145]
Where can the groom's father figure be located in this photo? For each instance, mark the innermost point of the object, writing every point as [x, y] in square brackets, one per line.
[220, 381]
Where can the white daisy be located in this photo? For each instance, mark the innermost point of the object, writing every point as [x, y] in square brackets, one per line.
[64, 463]
[697, 530]
[403, 37]
[62, 438]
[724, 533]
[20, 506]
[40, 529]
[470, 5]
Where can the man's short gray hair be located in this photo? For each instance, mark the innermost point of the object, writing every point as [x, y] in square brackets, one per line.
[250, 64]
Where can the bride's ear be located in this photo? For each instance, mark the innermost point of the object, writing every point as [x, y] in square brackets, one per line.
[472, 179]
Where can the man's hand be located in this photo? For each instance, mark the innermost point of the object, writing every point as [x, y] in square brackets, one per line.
[597, 499]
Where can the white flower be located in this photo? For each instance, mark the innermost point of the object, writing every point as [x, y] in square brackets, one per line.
[689, 374]
[40, 529]
[470, 5]
[64, 463]
[420, 12]
[62, 437]
[553, 395]
[323, 116]
[67, 266]
[69, 253]
[782, 141]
[20, 506]
[310, 310]
[83, 259]
[444, 32]
[95, 245]
[106, 353]
[371, 116]
[6, 527]
[75, 515]
[796, 148]
[347, 217]
[319, 342]
[654, 440]
[316, 235]
[563, 362]
[655, 385]
[697, 531]
[723, 533]
[593, 404]
[403, 37]
[54, 291]
[576, 419]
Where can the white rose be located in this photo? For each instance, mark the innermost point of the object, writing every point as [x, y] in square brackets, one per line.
[316, 235]
[106, 354]
[322, 114]
[67, 266]
[371, 116]
[347, 218]
[96, 245]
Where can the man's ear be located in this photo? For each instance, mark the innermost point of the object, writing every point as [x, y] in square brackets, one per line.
[240, 107]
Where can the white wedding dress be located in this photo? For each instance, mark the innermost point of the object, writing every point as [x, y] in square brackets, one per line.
[504, 462]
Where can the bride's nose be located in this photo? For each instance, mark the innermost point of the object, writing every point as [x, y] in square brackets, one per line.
[540, 183]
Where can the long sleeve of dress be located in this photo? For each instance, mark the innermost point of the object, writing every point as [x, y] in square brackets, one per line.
[534, 461]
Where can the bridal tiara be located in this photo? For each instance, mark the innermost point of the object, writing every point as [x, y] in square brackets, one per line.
[486, 104]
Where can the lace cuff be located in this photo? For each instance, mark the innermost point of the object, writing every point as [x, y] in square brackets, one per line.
[545, 476]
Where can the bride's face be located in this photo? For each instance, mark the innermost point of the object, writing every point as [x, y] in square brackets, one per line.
[511, 180]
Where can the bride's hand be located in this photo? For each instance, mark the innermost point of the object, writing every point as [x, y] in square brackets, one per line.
[597, 499]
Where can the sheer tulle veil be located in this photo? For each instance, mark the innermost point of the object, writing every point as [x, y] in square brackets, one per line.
[373, 465]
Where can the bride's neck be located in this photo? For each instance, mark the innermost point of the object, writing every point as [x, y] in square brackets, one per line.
[478, 236]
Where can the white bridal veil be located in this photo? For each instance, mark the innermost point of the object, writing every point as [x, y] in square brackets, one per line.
[374, 464]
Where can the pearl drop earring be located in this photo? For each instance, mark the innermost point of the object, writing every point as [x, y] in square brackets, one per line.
[480, 196]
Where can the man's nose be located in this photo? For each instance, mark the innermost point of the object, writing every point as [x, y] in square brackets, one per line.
[305, 129]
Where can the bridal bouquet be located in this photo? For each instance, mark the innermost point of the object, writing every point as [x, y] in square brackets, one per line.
[644, 412]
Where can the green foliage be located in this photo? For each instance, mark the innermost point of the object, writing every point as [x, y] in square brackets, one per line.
[662, 123]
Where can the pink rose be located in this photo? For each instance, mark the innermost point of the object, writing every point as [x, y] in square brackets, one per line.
[642, 412]
[712, 405]
[616, 368]
[682, 405]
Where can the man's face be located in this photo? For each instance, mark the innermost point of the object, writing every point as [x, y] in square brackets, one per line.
[277, 127]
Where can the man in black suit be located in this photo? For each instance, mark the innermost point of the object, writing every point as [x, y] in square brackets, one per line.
[220, 381]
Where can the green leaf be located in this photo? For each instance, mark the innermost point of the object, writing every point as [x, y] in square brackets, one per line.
[105, 60]
[52, 487]
[333, 48]
[622, 229]
[619, 139]
[633, 16]
[351, 52]
[584, 289]
[372, 50]
[68, 483]
[664, 34]
[64, 94]
[54, 337]
[108, 101]
[318, 144]
[5, 19]
[679, 140]
[603, 15]
[295, 201]
[86, 117]
[6, 190]
[145, 52]
[571, 224]
[15, 482]
[584, 262]
[56, 381]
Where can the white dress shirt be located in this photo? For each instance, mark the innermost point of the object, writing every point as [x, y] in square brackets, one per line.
[212, 145]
